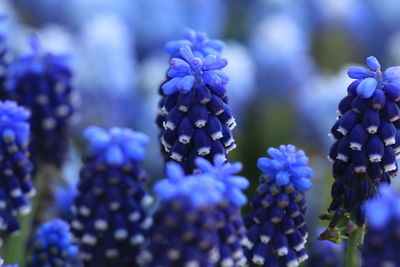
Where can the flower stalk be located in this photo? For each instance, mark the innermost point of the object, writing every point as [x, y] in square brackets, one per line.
[352, 254]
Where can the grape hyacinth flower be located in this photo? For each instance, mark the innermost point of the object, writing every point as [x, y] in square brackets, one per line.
[53, 246]
[367, 140]
[15, 185]
[200, 46]
[41, 82]
[194, 117]
[382, 236]
[277, 231]
[232, 232]
[110, 216]
[186, 231]
[200, 215]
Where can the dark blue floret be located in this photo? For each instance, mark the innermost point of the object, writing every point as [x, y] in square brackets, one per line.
[53, 247]
[276, 228]
[194, 116]
[366, 137]
[15, 165]
[381, 242]
[41, 82]
[110, 215]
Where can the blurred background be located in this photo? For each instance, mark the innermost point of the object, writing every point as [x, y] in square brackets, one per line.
[287, 65]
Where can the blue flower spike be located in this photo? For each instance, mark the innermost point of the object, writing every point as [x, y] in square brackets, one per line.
[194, 117]
[187, 230]
[15, 186]
[53, 246]
[381, 238]
[110, 210]
[276, 228]
[201, 218]
[42, 82]
[232, 230]
[367, 139]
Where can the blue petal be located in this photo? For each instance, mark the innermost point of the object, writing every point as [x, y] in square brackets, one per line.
[169, 87]
[216, 44]
[187, 54]
[234, 167]
[239, 182]
[392, 72]
[358, 72]
[97, 136]
[165, 189]
[282, 178]
[114, 155]
[211, 78]
[141, 138]
[174, 171]
[237, 197]
[373, 63]
[174, 46]
[179, 63]
[204, 164]
[185, 84]
[134, 150]
[367, 87]
[302, 184]
[264, 164]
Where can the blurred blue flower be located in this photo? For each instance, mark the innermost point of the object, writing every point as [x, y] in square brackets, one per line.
[367, 138]
[53, 246]
[276, 228]
[41, 82]
[15, 186]
[226, 173]
[241, 71]
[232, 230]
[65, 189]
[199, 190]
[279, 56]
[324, 253]
[319, 101]
[186, 228]
[110, 216]
[381, 238]
[200, 215]
[107, 45]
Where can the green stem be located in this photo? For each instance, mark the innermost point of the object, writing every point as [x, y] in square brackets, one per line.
[353, 258]
[14, 250]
